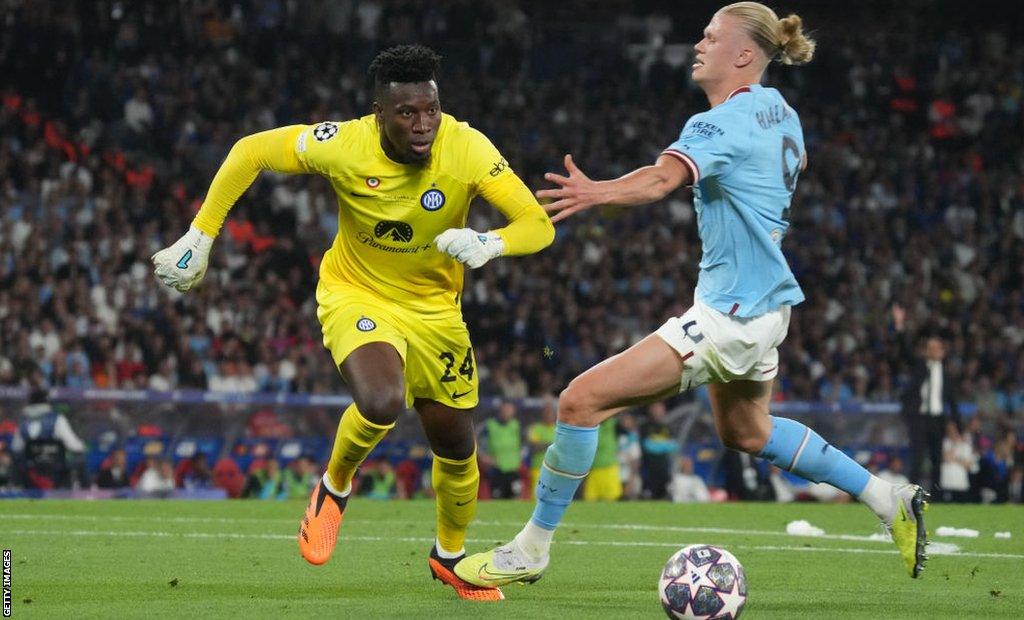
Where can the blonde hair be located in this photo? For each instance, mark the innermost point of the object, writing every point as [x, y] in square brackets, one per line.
[781, 39]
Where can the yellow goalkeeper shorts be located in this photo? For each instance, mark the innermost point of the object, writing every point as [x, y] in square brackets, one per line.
[603, 485]
[436, 351]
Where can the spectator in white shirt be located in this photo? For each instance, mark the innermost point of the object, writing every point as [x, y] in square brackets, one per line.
[157, 481]
[686, 486]
[959, 461]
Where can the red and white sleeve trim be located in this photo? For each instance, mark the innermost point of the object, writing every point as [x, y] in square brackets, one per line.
[688, 161]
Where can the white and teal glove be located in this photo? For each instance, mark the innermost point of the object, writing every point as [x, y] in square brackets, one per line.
[183, 265]
[470, 247]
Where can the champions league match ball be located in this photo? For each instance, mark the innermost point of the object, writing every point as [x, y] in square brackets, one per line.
[701, 581]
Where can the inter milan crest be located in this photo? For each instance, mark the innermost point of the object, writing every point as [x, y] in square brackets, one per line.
[432, 199]
[325, 131]
[372, 182]
[365, 325]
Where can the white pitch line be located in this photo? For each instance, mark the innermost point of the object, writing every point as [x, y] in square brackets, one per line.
[115, 533]
[510, 524]
[48, 517]
[694, 530]
[587, 543]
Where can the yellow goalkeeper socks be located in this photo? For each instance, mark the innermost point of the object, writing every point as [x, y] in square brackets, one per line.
[455, 485]
[355, 439]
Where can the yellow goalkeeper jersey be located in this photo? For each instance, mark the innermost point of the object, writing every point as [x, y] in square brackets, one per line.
[389, 213]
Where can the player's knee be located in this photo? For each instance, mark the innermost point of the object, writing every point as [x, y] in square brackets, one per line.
[744, 441]
[576, 408]
[381, 406]
[454, 447]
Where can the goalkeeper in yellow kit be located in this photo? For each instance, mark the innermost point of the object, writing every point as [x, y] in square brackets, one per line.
[389, 289]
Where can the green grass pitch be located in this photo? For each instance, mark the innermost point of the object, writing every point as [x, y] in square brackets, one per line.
[152, 559]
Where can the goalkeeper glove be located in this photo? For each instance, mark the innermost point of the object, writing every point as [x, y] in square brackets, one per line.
[469, 247]
[183, 265]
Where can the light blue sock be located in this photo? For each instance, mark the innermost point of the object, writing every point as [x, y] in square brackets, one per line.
[796, 448]
[566, 463]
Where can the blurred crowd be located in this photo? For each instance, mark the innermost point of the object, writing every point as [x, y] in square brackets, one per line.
[639, 456]
[116, 115]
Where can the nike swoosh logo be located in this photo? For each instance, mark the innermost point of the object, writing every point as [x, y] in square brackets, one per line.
[904, 513]
[463, 503]
[458, 395]
[358, 195]
[487, 575]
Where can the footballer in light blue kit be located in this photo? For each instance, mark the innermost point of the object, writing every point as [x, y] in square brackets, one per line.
[743, 158]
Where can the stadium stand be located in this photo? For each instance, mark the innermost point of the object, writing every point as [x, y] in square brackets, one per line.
[109, 135]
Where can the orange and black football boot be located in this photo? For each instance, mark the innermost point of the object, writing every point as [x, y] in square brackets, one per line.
[444, 571]
[318, 531]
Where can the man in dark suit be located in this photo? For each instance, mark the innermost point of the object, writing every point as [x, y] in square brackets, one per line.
[929, 402]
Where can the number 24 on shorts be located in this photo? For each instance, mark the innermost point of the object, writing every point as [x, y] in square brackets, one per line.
[465, 369]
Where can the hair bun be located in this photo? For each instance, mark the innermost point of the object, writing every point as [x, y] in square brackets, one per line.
[794, 47]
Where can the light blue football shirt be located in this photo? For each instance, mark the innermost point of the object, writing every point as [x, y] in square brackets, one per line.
[744, 155]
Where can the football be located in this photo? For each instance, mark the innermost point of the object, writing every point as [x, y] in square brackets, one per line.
[702, 581]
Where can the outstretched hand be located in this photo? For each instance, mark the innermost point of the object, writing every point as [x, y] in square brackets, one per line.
[575, 193]
[183, 265]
